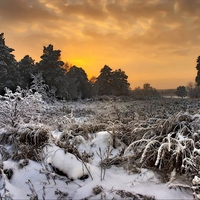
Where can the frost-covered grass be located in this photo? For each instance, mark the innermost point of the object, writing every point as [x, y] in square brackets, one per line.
[99, 149]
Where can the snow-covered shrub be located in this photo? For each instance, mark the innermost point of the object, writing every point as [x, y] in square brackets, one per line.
[71, 140]
[30, 139]
[196, 187]
[4, 192]
[20, 112]
[4, 154]
[20, 106]
[7, 135]
[38, 84]
[34, 135]
[170, 145]
[25, 141]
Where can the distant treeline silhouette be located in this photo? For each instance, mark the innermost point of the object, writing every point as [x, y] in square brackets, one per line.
[58, 79]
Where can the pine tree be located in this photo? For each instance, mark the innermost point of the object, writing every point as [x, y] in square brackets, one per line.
[9, 75]
[79, 86]
[120, 83]
[112, 82]
[198, 72]
[26, 68]
[103, 85]
[181, 91]
[52, 71]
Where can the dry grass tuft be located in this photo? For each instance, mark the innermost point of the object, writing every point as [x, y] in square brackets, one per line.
[97, 190]
[34, 135]
[170, 145]
[126, 194]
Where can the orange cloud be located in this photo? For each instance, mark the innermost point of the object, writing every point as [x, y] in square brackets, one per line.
[151, 40]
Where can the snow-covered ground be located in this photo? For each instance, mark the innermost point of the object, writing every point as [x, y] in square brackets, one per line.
[59, 172]
[40, 180]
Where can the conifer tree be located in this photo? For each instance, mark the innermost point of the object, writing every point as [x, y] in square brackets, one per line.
[9, 75]
[79, 85]
[112, 82]
[120, 83]
[52, 71]
[198, 72]
[26, 68]
[103, 85]
[181, 91]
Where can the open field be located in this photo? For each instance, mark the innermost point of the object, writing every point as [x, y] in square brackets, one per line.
[109, 149]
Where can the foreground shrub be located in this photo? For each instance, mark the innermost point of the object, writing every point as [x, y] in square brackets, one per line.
[34, 135]
[26, 141]
[20, 106]
[172, 145]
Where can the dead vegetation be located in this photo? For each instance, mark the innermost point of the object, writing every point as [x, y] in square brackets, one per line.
[159, 135]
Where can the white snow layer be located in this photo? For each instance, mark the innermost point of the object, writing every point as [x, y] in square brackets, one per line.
[116, 178]
[65, 162]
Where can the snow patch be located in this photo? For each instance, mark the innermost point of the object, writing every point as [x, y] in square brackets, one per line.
[65, 162]
[102, 139]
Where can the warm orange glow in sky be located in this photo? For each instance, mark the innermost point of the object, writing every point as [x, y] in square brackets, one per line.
[153, 41]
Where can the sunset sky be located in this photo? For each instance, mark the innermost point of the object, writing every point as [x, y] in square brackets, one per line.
[153, 41]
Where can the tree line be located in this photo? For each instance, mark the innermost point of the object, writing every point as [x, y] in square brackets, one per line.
[55, 78]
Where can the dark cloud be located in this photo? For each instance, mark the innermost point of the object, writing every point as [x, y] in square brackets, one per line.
[23, 10]
[191, 8]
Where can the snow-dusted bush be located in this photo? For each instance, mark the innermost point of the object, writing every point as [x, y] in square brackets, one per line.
[4, 154]
[20, 112]
[34, 135]
[7, 135]
[196, 187]
[20, 106]
[171, 145]
[24, 142]
[29, 140]
[38, 84]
